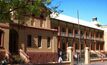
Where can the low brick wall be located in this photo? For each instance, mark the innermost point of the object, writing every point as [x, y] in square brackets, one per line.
[2, 54]
[42, 57]
[98, 59]
[67, 63]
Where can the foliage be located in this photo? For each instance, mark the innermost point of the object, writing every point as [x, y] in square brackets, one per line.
[17, 59]
[20, 8]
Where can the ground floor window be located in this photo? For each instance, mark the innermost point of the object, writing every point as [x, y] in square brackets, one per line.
[82, 46]
[92, 46]
[101, 46]
[48, 42]
[0, 39]
[97, 46]
[39, 41]
[29, 40]
[76, 46]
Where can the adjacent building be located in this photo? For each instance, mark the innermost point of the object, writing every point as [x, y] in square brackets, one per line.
[78, 34]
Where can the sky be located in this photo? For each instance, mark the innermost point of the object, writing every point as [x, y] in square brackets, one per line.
[87, 9]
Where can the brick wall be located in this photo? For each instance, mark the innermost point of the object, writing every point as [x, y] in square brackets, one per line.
[42, 57]
[2, 54]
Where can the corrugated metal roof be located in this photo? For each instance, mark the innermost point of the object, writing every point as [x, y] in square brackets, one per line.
[75, 21]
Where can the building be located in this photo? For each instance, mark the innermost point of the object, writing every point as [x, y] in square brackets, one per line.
[105, 37]
[77, 34]
[35, 37]
[41, 38]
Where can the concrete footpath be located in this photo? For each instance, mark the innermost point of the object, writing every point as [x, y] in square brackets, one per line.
[95, 63]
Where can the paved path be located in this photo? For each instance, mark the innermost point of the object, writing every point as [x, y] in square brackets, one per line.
[96, 63]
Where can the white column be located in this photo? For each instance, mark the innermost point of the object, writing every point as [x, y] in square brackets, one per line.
[87, 55]
[70, 55]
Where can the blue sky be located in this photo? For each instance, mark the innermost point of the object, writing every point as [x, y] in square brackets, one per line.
[87, 9]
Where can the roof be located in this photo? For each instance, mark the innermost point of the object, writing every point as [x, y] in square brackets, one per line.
[104, 27]
[75, 21]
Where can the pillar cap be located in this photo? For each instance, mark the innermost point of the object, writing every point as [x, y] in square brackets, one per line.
[69, 47]
[86, 47]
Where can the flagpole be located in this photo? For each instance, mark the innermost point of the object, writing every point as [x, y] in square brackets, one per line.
[79, 42]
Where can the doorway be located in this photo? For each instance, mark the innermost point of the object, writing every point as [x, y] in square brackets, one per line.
[13, 41]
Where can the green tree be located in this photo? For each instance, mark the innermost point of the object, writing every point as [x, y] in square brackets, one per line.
[22, 8]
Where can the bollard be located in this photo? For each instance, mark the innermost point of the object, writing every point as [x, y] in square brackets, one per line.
[70, 55]
[87, 55]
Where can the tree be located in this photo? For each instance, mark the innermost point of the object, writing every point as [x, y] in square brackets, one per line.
[22, 8]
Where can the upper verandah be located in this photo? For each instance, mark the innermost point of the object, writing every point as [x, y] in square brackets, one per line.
[74, 20]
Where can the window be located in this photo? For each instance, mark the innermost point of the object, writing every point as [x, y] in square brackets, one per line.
[97, 34]
[48, 42]
[29, 40]
[76, 46]
[63, 29]
[32, 22]
[39, 41]
[42, 16]
[76, 32]
[0, 39]
[55, 27]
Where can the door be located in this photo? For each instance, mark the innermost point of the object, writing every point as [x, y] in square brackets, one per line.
[13, 41]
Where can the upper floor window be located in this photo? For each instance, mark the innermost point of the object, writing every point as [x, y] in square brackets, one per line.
[92, 34]
[55, 27]
[76, 32]
[42, 16]
[48, 42]
[101, 35]
[63, 29]
[87, 34]
[29, 40]
[97, 34]
[39, 41]
[69, 31]
[32, 22]
[81, 33]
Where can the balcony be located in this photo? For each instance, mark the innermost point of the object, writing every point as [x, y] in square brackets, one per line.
[82, 36]
[99, 39]
[63, 33]
[77, 35]
[88, 37]
[92, 38]
[70, 34]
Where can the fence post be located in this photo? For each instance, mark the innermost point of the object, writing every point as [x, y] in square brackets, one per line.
[70, 55]
[87, 55]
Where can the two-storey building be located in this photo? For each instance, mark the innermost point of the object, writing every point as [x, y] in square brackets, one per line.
[77, 34]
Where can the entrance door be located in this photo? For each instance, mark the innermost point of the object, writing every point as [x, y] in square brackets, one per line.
[13, 41]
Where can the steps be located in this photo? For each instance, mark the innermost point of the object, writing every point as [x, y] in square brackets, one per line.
[24, 56]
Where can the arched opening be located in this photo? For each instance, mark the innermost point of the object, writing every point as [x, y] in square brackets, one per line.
[13, 41]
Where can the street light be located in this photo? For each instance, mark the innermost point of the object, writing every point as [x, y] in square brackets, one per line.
[79, 42]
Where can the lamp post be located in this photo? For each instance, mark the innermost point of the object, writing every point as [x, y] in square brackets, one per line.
[79, 42]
